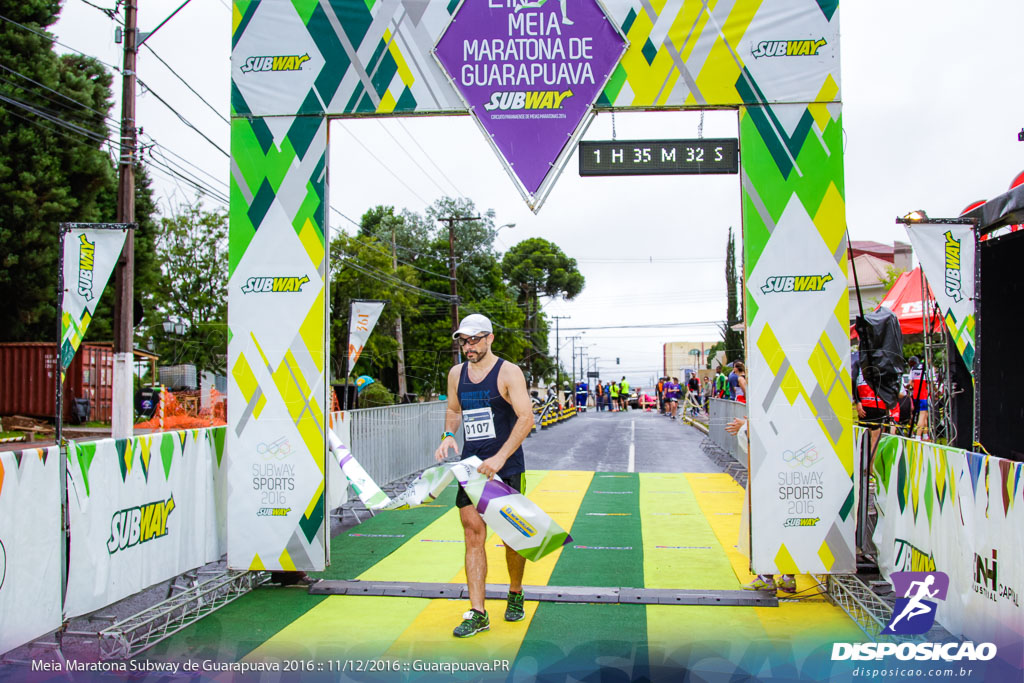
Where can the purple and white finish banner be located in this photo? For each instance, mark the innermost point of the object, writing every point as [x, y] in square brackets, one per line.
[529, 73]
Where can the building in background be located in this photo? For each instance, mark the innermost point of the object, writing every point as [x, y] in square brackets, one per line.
[680, 356]
[877, 265]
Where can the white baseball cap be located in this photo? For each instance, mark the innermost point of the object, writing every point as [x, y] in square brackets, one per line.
[473, 325]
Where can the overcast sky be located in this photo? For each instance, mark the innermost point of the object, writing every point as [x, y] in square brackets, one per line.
[932, 106]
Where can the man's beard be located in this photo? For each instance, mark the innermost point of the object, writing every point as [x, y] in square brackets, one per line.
[477, 357]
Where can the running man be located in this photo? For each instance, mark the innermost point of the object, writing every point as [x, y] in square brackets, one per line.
[490, 394]
[914, 607]
[540, 3]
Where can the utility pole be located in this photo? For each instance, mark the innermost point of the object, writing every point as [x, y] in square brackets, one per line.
[402, 388]
[451, 277]
[574, 338]
[124, 277]
[558, 368]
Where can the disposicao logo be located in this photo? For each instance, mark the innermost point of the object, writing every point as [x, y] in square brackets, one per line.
[274, 63]
[788, 48]
[260, 285]
[521, 525]
[953, 286]
[796, 283]
[86, 263]
[914, 614]
[132, 526]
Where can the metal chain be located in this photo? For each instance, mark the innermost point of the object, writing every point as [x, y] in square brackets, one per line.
[700, 126]
[613, 125]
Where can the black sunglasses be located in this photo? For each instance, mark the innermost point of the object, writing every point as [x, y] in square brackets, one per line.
[471, 340]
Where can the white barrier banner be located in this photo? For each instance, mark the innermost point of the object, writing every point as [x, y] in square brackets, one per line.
[947, 254]
[337, 482]
[949, 510]
[361, 321]
[141, 511]
[30, 541]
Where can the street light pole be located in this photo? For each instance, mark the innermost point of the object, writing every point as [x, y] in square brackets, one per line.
[558, 367]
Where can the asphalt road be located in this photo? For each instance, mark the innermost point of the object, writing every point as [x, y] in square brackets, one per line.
[632, 441]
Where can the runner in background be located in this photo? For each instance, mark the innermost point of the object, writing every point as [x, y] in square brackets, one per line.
[672, 397]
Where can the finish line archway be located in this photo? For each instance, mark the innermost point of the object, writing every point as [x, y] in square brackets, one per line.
[297, 64]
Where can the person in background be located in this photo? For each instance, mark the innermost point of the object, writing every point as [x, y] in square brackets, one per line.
[623, 394]
[613, 394]
[581, 396]
[599, 396]
[919, 396]
[721, 384]
[738, 382]
[672, 397]
[693, 394]
[659, 392]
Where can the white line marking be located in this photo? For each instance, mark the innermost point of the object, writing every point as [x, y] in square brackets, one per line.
[632, 446]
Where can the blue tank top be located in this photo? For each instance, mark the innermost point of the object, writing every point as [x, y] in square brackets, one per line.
[486, 395]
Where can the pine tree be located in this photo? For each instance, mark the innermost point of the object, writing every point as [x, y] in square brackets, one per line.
[54, 168]
[733, 339]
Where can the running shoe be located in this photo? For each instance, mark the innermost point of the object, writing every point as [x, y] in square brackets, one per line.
[761, 583]
[786, 583]
[515, 611]
[472, 623]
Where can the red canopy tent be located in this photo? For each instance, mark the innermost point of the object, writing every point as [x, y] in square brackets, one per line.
[904, 299]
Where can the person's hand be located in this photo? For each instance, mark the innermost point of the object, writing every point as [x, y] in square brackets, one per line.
[491, 465]
[861, 413]
[735, 426]
[442, 452]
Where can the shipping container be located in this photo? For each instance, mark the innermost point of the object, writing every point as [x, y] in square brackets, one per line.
[28, 376]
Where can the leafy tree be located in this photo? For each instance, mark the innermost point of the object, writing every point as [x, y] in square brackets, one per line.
[536, 268]
[192, 247]
[418, 290]
[733, 339]
[361, 268]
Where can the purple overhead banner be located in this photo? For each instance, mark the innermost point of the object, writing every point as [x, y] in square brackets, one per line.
[529, 73]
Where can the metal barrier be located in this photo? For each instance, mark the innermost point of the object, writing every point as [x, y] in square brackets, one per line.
[720, 413]
[392, 442]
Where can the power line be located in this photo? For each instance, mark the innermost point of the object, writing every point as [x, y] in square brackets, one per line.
[57, 42]
[55, 92]
[430, 158]
[652, 326]
[186, 83]
[183, 119]
[384, 166]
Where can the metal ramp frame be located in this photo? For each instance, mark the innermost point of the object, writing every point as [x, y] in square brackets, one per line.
[129, 637]
[622, 596]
